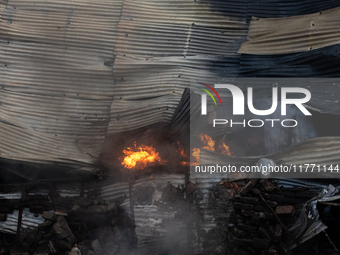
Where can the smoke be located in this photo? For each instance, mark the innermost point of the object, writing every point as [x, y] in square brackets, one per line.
[165, 215]
[278, 138]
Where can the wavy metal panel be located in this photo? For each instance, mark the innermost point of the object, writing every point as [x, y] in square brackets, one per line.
[279, 8]
[10, 225]
[56, 79]
[161, 81]
[172, 28]
[109, 191]
[162, 47]
[292, 34]
[59, 94]
[29, 146]
[156, 223]
[323, 62]
[127, 114]
[323, 151]
[30, 220]
[3, 4]
[213, 215]
[79, 23]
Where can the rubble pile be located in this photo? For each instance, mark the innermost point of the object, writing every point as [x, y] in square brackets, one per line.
[263, 214]
[73, 225]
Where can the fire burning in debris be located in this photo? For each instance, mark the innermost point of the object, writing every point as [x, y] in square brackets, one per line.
[141, 156]
[209, 144]
[196, 152]
[181, 152]
[224, 148]
[185, 163]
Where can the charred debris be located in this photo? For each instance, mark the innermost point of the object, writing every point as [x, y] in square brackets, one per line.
[250, 216]
[68, 225]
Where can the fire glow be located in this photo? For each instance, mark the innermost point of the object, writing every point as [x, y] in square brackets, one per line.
[140, 156]
[224, 148]
[209, 144]
[181, 152]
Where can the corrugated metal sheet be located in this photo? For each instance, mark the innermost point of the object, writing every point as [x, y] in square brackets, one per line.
[11, 194]
[28, 221]
[162, 224]
[171, 28]
[279, 8]
[181, 118]
[10, 225]
[57, 87]
[159, 81]
[161, 47]
[323, 62]
[156, 223]
[325, 91]
[292, 34]
[3, 4]
[30, 146]
[212, 216]
[64, 190]
[312, 184]
[323, 151]
[56, 79]
[319, 151]
[126, 115]
[109, 191]
[81, 70]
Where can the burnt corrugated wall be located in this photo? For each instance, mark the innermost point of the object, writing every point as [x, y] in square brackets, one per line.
[73, 73]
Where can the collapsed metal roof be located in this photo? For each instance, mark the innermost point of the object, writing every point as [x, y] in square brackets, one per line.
[76, 72]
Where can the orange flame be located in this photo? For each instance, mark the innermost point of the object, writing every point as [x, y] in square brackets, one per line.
[181, 150]
[185, 163]
[224, 148]
[196, 152]
[209, 143]
[143, 155]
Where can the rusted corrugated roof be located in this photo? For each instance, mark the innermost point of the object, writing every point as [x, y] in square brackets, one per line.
[292, 34]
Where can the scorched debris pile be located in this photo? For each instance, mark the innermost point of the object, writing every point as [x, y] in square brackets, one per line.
[263, 214]
[72, 224]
